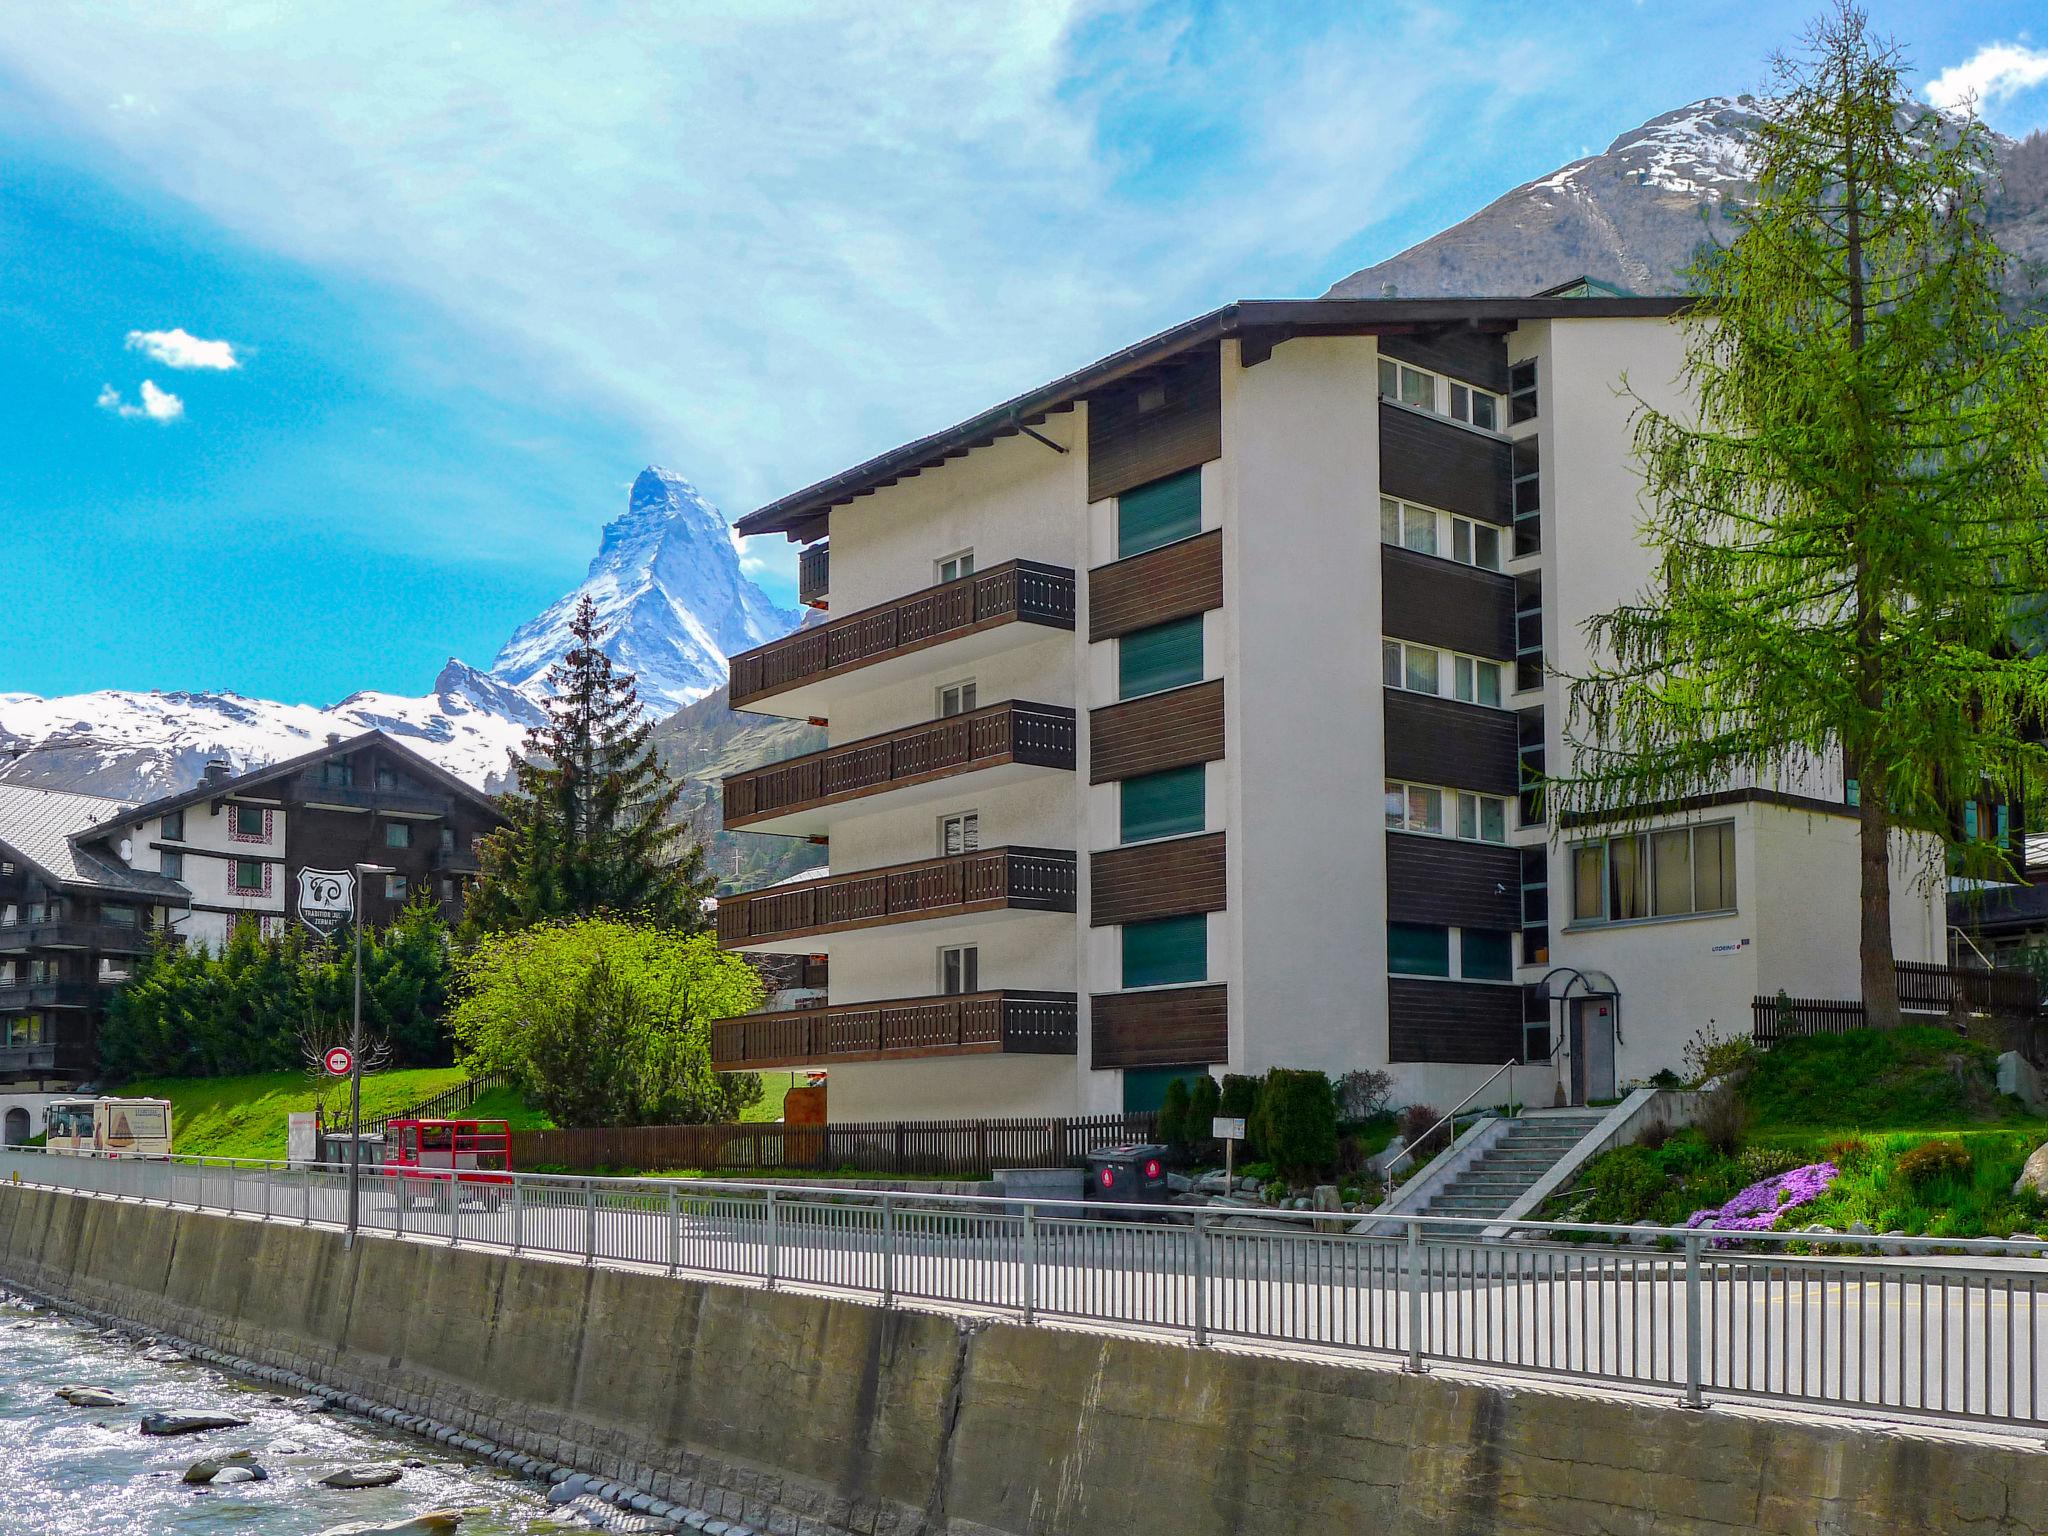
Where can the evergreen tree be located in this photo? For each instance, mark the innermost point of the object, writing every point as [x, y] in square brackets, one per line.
[1845, 529]
[592, 826]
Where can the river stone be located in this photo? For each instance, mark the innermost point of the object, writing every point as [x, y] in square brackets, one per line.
[163, 1354]
[237, 1468]
[412, 1525]
[375, 1475]
[2035, 1175]
[91, 1397]
[189, 1423]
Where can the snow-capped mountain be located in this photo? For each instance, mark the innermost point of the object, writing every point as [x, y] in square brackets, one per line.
[668, 584]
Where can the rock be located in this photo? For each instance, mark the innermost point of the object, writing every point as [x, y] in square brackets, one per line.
[411, 1463]
[374, 1475]
[163, 1354]
[189, 1423]
[2035, 1175]
[237, 1468]
[422, 1524]
[1214, 1182]
[248, 1474]
[1248, 1186]
[287, 1448]
[1179, 1183]
[1326, 1198]
[91, 1397]
[1381, 1161]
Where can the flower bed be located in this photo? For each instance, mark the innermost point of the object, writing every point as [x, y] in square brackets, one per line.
[1757, 1208]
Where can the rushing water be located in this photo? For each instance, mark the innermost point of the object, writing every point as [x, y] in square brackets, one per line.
[68, 1471]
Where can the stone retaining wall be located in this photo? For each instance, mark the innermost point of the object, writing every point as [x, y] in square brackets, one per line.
[797, 1414]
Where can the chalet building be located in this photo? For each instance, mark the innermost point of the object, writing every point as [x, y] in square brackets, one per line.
[1181, 716]
[85, 882]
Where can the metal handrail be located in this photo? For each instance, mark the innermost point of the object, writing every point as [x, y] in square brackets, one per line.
[1406, 1154]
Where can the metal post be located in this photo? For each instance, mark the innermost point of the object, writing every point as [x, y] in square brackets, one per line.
[675, 1231]
[888, 1252]
[355, 1074]
[1692, 1321]
[1414, 1282]
[1030, 1277]
[454, 1210]
[518, 1214]
[590, 1222]
[266, 1175]
[1201, 1300]
[774, 1238]
[306, 1178]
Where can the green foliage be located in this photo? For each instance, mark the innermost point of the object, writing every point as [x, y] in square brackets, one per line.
[1708, 1055]
[1296, 1121]
[606, 1022]
[244, 1116]
[1239, 1100]
[1850, 504]
[1917, 1075]
[1173, 1114]
[593, 826]
[254, 1005]
[1930, 1162]
[1205, 1103]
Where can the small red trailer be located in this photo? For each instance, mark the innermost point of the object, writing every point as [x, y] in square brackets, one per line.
[474, 1155]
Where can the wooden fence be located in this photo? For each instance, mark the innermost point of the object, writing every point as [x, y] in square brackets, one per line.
[961, 1148]
[1927, 993]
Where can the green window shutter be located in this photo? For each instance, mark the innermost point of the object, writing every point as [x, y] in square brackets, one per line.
[1145, 1087]
[1166, 950]
[1488, 955]
[1164, 656]
[1163, 804]
[1159, 513]
[1418, 949]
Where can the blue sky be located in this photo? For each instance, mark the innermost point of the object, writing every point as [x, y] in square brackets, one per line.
[476, 265]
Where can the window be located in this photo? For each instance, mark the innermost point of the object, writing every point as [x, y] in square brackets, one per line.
[118, 917]
[1415, 808]
[173, 826]
[397, 834]
[1163, 512]
[1535, 905]
[387, 777]
[956, 699]
[1430, 532]
[1530, 761]
[172, 864]
[1522, 391]
[1418, 949]
[1164, 804]
[395, 887]
[1672, 872]
[1528, 630]
[1164, 656]
[959, 970]
[338, 773]
[447, 889]
[1166, 951]
[1480, 407]
[953, 567]
[1476, 681]
[248, 875]
[1427, 391]
[1425, 669]
[1528, 497]
[1482, 818]
[960, 834]
[1486, 954]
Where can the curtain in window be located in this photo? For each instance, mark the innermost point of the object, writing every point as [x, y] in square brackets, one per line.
[1627, 895]
[1714, 868]
[1589, 870]
[1671, 856]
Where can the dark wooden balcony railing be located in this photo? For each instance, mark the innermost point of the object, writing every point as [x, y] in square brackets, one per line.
[76, 933]
[1021, 591]
[1038, 734]
[1022, 879]
[47, 994]
[813, 576]
[977, 1023]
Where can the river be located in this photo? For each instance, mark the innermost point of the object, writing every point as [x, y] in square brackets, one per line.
[68, 1471]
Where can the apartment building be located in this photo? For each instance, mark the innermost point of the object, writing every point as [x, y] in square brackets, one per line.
[1182, 715]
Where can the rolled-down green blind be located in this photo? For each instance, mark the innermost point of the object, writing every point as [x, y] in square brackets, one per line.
[1159, 513]
[1163, 804]
[1164, 656]
[1418, 949]
[1166, 950]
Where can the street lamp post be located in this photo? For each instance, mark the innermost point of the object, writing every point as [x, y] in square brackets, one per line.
[355, 1051]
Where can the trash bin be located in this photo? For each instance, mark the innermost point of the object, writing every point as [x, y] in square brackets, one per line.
[1128, 1175]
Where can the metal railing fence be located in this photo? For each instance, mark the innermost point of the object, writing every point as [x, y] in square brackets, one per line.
[1927, 1328]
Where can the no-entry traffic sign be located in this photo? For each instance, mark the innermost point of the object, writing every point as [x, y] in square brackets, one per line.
[339, 1061]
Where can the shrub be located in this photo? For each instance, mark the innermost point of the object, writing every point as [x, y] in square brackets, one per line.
[1363, 1095]
[1666, 1079]
[1849, 1153]
[1173, 1114]
[1204, 1099]
[1415, 1123]
[1709, 1055]
[1239, 1098]
[1916, 1075]
[1931, 1161]
[1297, 1121]
[1653, 1135]
[1723, 1117]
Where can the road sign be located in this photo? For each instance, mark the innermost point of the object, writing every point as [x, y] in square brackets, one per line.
[338, 1061]
[1226, 1129]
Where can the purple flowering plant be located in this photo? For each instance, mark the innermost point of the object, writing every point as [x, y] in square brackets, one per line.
[1757, 1208]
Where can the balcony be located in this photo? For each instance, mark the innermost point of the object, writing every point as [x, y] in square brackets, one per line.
[813, 576]
[455, 861]
[76, 933]
[992, 610]
[368, 797]
[1000, 744]
[974, 1024]
[47, 994]
[966, 885]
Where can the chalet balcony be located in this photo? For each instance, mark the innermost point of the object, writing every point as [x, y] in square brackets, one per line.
[368, 797]
[1000, 745]
[813, 576]
[17, 996]
[76, 933]
[973, 1024]
[993, 610]
[962, 886]
[456, 861]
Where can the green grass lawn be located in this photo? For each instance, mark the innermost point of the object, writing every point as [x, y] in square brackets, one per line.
[245, 1116]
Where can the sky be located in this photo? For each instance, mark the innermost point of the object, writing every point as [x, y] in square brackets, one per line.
[331, 335]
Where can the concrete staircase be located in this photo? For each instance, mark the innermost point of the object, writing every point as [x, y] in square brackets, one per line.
[1531, 1147]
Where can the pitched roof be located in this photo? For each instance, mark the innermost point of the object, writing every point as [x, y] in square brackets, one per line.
[243, 782]
[1259, 324]
[40, 826]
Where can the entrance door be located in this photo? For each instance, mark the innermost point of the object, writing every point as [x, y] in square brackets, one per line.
[17, 1126]
[1592, 1049]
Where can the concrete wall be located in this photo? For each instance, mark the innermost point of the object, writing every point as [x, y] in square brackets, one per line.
[803, 1415]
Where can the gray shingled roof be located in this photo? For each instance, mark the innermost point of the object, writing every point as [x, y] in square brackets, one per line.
[39, 825]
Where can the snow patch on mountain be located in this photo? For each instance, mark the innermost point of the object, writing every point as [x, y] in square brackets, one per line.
[667, 583]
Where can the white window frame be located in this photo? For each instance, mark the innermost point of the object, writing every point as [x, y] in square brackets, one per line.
[1648, 842]
[953, 567]
[967, 958]
[1394, 668]
[1444, 394]
[1445, 528]
[969, 825]
[956, 698]
[1453, 803]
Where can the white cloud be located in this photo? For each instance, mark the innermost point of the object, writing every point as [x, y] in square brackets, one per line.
[156, 404]
[179, 348]
[1994, 73]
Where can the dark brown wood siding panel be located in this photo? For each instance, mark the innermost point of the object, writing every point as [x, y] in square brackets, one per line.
[1474, 356]
[1130, 445]
[1433, 460]
[1440, 741]
[1442, 603]
[1459, 1021]
[1166, 879]
[1457, 885]
[1161, 584]
[1166, 730]
[1176, 1027]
